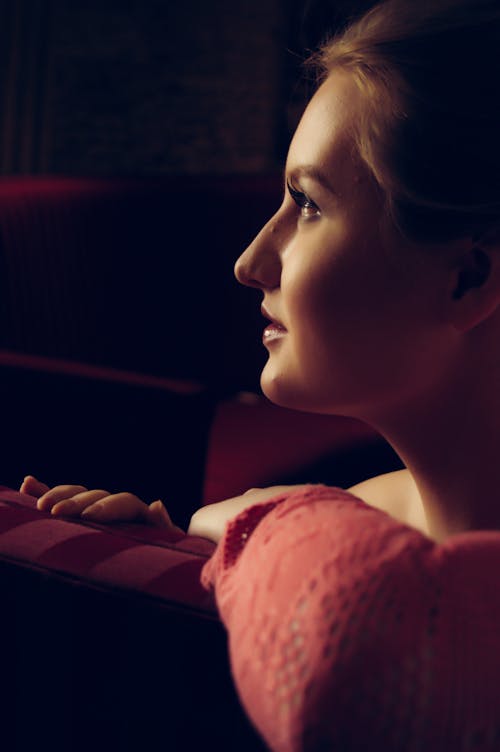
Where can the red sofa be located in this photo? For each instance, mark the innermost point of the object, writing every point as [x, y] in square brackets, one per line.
[129, 360]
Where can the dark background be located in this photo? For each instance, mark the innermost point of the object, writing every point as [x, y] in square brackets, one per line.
[155, 87]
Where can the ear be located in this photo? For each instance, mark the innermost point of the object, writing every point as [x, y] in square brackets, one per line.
[475, 286]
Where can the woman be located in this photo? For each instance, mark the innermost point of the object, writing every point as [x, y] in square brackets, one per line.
[369, 619]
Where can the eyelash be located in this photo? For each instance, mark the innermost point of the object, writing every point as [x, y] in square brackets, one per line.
[303, 202]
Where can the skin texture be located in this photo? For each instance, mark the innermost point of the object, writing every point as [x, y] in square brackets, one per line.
[371, 326]
[96, 505]
[375, 329]
[365, 328]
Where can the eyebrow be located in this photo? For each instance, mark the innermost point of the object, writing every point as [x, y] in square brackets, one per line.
[315, 173]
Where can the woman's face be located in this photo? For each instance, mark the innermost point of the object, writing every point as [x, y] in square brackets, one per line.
[358, 326]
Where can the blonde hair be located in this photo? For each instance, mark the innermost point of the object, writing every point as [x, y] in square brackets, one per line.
[430, 131]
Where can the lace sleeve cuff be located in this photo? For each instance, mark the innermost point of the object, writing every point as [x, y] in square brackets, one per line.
[236, 535]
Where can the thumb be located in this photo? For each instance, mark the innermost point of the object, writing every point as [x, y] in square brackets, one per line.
[158, 516]
[33, 487]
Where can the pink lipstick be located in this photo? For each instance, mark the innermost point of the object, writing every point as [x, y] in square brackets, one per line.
[274, 330]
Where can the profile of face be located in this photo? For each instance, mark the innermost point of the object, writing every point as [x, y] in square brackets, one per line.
[358, 325]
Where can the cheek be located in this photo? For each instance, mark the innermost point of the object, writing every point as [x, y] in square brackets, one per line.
[321, 300]
[353, 328]
[326, 327]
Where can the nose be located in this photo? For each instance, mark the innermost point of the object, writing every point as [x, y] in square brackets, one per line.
[260, 265]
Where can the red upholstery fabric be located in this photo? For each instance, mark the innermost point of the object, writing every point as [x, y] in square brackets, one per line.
[68, 422]
[124, 339]
[254, 443]
[59, 366]
[116, 273]
[131, 556]
[108, 641]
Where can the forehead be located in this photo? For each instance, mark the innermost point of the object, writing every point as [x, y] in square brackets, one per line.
[325, 135]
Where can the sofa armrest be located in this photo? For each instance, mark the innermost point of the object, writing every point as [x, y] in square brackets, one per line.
[108, 640]
[150, 561]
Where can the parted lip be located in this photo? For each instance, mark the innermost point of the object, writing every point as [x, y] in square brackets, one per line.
[268, 315]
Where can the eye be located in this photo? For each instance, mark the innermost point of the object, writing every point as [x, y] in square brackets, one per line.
[308, 208]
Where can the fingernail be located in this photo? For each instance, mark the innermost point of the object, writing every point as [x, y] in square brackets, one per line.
[93, 512]
[63, 510]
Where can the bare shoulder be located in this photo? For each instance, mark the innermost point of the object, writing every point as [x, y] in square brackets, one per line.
[394, 493]
[385, 490]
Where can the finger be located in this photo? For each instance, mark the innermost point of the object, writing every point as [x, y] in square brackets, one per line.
[33, 487]
[58, 493]
[76, 504]
[120, 507]
[158, 516]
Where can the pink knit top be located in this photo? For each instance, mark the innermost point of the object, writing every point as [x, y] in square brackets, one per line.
[351, 631]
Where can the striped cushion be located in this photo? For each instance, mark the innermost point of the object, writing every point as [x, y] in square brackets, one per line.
[134, 557]
[108, 641]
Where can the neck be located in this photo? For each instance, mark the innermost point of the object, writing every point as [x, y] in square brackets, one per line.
[450, 444]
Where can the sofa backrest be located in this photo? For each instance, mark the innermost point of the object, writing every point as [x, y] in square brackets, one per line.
[134, 273]
[113, 291]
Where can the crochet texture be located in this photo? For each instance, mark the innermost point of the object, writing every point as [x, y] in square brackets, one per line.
[351, 631]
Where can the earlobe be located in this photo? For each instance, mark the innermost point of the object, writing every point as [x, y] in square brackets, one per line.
[476, 288]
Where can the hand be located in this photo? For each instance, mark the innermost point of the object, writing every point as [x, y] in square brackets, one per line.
[96, 506]
[210, 521]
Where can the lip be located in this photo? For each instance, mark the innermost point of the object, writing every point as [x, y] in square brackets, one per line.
[273, 331]
[275, 323]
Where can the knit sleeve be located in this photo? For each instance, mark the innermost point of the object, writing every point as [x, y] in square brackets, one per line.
[338, 634]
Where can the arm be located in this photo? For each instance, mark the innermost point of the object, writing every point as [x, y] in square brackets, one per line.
[320, 597]
[101, 506]
[210, 521]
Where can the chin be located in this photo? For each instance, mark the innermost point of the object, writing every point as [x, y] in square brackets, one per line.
[281, 391]
[274, 387]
